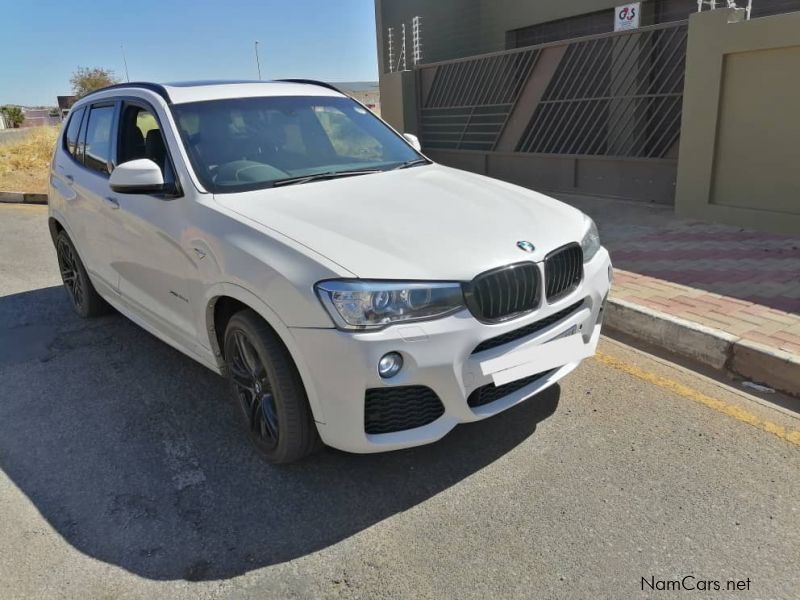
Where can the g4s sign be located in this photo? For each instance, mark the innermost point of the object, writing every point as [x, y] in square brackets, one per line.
[627, 16]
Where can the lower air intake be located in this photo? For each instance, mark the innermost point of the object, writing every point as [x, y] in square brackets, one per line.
[489, 393]
[398, 408]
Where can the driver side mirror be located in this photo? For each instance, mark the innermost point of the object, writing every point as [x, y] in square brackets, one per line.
[414, 141]
[140, 176]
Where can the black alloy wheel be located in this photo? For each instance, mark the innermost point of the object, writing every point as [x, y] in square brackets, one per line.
[268, 390]
[254, 391]
[67, 263]
[85, 299]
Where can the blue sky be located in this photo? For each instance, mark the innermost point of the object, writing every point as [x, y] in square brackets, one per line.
[171, 40]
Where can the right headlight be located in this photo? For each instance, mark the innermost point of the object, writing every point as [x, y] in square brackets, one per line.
[590, 243]
[365, 304]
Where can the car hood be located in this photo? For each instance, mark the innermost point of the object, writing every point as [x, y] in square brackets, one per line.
[428, 222]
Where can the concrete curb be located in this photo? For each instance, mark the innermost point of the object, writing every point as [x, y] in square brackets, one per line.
[23, 198]
[776, 368]
[712, 347]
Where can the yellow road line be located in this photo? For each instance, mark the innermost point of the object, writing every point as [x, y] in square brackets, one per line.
[740, 414]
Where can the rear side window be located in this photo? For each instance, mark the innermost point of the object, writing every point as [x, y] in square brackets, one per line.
[71, 137]
[98, 138]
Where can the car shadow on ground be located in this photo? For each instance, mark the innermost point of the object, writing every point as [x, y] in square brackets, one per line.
[133, 453]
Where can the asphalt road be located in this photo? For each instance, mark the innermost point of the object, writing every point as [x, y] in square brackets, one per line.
[123, 474]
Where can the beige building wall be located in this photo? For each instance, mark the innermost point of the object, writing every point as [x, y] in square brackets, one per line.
[740, 135]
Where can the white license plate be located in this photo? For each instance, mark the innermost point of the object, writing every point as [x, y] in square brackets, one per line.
[567, 347]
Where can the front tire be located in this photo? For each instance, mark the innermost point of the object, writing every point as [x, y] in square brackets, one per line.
[268, 391]
[85, 299]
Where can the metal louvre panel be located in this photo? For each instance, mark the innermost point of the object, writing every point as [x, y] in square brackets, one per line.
[400, 408]
[503, 293]
[480, 81]
[563, 271]
[470, 100]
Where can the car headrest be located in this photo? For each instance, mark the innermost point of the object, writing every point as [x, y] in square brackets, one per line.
[136, 136]
[154, 147]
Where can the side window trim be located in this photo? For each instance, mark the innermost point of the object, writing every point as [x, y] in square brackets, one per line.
[114, 134]
[80, 148]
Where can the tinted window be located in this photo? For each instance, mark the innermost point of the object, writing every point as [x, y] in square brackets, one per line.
[73, 127]
[98, 138]
[140, 137]
[248, 143]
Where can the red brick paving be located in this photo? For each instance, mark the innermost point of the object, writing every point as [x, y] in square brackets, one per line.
[743, 282]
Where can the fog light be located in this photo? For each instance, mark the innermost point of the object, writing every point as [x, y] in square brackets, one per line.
[610, 274]
[390, 364]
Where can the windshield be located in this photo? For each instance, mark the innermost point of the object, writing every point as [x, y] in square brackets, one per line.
[250, 143]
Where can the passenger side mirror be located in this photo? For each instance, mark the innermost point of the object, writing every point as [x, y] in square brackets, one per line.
[140, 176]
[414, 141]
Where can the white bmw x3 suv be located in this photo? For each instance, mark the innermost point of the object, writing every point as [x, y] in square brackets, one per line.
[350, 289]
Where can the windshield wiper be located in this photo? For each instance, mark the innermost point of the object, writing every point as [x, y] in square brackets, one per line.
[411, 163]
[321, 176]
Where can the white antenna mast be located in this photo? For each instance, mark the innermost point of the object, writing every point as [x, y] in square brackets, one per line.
[125, 62]
[258, 62]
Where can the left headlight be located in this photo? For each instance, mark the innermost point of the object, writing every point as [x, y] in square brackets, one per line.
[364, 304]
[590, 243]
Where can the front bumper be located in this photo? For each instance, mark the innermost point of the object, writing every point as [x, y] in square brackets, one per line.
[439, 354]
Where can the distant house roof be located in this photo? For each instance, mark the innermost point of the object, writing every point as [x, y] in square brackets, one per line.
[66, 102]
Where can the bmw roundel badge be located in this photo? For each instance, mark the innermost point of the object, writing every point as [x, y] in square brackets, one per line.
[526, 246]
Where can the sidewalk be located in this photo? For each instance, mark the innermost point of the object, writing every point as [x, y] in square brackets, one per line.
[722, 295]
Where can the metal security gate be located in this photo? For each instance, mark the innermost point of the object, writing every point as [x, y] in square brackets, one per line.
[614, 96]
[608, 106]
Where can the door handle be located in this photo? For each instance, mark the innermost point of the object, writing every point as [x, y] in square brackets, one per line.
[70, 179]
[112, 202]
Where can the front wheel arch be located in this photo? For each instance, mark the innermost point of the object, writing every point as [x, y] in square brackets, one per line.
[55, 228]
[223, 299]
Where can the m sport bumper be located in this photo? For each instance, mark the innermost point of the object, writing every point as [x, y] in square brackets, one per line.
[455, 369]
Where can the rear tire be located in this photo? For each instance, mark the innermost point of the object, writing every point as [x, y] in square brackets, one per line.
[268, 391]
[85, 299]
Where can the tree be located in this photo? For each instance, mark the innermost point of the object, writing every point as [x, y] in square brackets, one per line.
[14, 115]
[85, 80]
